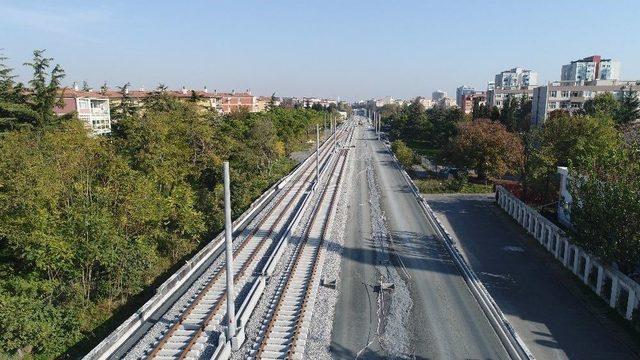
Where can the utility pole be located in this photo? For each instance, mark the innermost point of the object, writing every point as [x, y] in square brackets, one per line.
[317, 154]
[231, 310]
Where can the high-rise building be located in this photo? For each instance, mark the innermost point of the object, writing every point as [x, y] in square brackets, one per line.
[516, 78]
[591, 68]
[461, 92]
[438, 95]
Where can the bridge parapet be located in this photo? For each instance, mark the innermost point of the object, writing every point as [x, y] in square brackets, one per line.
[617, 289]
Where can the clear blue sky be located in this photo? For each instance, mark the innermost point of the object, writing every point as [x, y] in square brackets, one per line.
[348, 49]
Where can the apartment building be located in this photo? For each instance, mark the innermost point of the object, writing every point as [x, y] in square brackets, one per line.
[516, 78]
[438, 95]
[515, 83]
[497, 97]
[463, 91]
[466, 105]
[571, 95]
[591, 68]
[92, 108]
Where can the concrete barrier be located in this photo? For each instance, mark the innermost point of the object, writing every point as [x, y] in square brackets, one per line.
[617, 289]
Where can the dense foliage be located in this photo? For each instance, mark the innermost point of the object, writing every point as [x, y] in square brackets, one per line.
[87, 222]
[486, 147]
[434, 127]
[606, 209]
[405, 155]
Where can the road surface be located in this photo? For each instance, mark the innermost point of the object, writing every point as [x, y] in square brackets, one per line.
[538, 296]
[445, 320]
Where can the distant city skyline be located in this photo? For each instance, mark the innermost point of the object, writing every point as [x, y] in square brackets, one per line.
[351, 51]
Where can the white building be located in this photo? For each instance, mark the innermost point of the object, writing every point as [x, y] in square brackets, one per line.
[92, 108]
[516, 78]
[498, 96]
[571, 95]
[591, 68]
[438, 95]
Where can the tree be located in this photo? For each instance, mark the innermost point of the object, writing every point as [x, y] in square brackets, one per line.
[486, 147]
[33, 109]
[404, 154]
[495, 114]
[125, 107]
[195, 97]
[605, 209]
[628, 110]
[580, 142]
[44, 88]
[85, 86]
[272, 102]
[604, 104]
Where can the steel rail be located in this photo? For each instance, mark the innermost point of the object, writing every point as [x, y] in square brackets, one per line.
[325, 153]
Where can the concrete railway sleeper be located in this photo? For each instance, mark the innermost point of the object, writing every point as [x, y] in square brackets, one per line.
[283, 334]
[200, 321]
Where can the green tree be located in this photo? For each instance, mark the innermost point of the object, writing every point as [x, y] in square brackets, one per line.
[580, 142]
[405, 155]
[486, 147]
[605, 209]
[628, 110]
[44, 87]
[602, 104]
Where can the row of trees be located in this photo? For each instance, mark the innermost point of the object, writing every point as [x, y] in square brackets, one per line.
[87, 222]
[604, 165]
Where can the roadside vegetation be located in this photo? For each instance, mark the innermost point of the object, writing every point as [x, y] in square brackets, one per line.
[87, 223]
[599, 145]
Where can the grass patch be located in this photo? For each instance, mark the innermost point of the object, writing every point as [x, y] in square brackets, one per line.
[437, 186]
[421, 148]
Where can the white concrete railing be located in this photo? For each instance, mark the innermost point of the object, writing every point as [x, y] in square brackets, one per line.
[617, 289]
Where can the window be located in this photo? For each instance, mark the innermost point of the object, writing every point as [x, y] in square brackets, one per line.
[554, 93]
[575, 93]
[84, 104]
[565, 94]
[553, 105]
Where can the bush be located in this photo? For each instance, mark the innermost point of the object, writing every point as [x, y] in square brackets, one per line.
[405, 155]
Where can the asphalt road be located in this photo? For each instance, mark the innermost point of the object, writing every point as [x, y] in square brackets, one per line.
[537, 295]
[446, 321]
[356, 320]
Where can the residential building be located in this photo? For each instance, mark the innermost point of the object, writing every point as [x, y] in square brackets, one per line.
[491, 85]
[222, 102]
[92, 108]
[445, 102]
[572, 95]
[438, 95]
[461, 92]
[264, 101]
[497, 96]
[516, 78]
[466, 105]
[591, 68]
[387, 100]
[426, 103]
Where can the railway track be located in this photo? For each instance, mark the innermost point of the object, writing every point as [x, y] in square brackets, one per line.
[202, 320]
[284, 331]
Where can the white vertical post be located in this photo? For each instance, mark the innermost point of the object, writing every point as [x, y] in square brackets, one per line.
[231, 316]
[317, 153]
